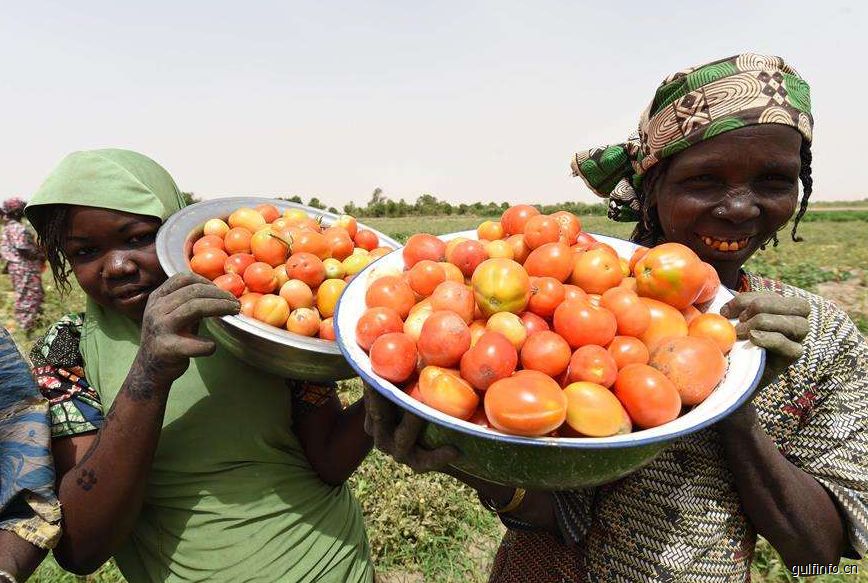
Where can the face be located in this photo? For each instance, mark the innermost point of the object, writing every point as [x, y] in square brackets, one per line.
[113, 257]
[727, 196]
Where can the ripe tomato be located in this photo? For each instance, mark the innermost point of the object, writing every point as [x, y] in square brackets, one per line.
[490, 231]
[366, 239]
[479, 418]
[694, 365]
[527, 403]
[268, 248]
[311, 242]
[665, 321]
[574, 292]
[477, 329]
[492, 358]
[393, 357]
[215, 227]
[452, 272]
[375, 322]
[515, 217]
[334, 269]
[541, 229]
[230, 282]
[594, 411]
[348, 223]
[269, 212]
[570, 226]
[596, 270]
[414, 322]
[533, 323]
[425, 276]
[451, 244]
[454, 297]
[581, 323]
[208, 241]
[628, 283]
[327, 296]
[584, 241]
[711, 285]
[297, 294]
[520, 250]
[209, 262]
[638, 254]
[423, 246]
[632, 315]
[294, 216]
[546, 294]
[280, 275]
[429, 373]
[671, 273]
[500, 285]
[546, 352]
[690, 313]
[510, 326]
[271, 309]
[444, 340]
[246, 218]
[237, 240]
[551, 260]
[355, 263]
[259, 277]
[714, 327]
[340, 244]
[327, 329]
[648, 396]
[306, 267]
[592, 364]
[467, 255]
[248, 303]
[393, 292]
[628, 350]
[451, 395]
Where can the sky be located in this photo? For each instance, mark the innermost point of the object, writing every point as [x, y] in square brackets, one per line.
[464, 100]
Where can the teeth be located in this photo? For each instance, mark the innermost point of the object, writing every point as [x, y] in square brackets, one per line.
[726, 246]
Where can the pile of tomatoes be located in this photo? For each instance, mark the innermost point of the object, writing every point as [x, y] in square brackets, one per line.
[288, 270]
[536, 328]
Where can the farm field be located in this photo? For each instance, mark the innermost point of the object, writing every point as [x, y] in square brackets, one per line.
[430, 527]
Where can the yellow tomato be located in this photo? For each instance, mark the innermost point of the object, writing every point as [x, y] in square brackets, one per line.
[355, 263]
[334, 269]
[500, 285]
[499, 248]
[327, 296]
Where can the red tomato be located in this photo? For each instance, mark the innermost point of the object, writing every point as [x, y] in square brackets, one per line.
[269, 212]
[648, 396]
[212, 241]
[238, 262]
[501, 285]
[541, 229]
[546, 352]
[592, 364]
[515, 218]
[376, 322]
[297, 294]
[714, 327]
[425, 276]
[391, 291]
[584, 242]
[665, 321]
[574, 292]
[596, 271]
[593, 410]
[467, 255]
[248, 303]
[671, 273]
[340, 244]
[711, 285]
[533, 323]
[209, 262]
[444, 340]
[260, 277]
[694, 365]
[546, 294]
[327, 329]
[570, 226]
[304, 321]
[581, 323]
[451, 395]
[492, 358]
[628, 350]
[366, 239]
[306, 267]
[423, 246]
[268, 247]
[527, 403]
[552, 260]
[638, 254]
[632, 315]
[237, 240]
[271, 309]
[393, 357]
[520, 250]
[455, 297]
[230, 282]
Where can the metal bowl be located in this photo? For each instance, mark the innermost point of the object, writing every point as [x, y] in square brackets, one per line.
[548, 462]
[266, 347]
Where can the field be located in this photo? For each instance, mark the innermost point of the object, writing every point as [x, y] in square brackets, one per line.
[431, 528]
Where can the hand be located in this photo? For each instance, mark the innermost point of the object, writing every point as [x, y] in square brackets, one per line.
[171, 320]
[396, 433]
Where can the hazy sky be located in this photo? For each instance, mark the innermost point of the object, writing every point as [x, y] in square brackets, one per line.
[465, 100]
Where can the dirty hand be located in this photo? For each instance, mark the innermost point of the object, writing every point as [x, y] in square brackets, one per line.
[770, 321]
[396, 433]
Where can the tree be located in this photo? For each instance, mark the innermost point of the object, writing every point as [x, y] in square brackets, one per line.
[295, 198]
[315, 203]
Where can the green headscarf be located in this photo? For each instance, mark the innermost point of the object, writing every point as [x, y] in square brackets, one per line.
[231, 495]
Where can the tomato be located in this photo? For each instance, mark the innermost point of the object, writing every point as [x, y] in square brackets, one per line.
[393, 357]
[541, 229]
[527, 403]
[208, 241]
[499, 248]
[711, 285]
[451, 395]
[429, 373]
[516, 217]
[366, 239]
[520, 250]
[628, 350]
[492, 358]
[596, 270]
[546, 294]
[550, 260]
[581, 323]
[490, 231]
[533, 323]
[648, 396]
[340, 244]
[423, 246]
[327, 296]
[479, 418]
[393, 292]
[584, 241]
[248, 303]
[311, 242]
[334, 269]
[268, 248]
[237, 240]
[355, 263]
[414, 322]
[215, 227]
[638, 254]
[467, 255]
[593, 410]
[477, 329]
[671, 273]
[294, 215]
[592, 364]
[632, 315]
[665, 321]
[452, 244]
[269, 212]
[374, 322]
[271, 309]
[690, 313]
[546, 352]
[327, 329]
[454, 297]
[209, 262]
[628, 283]
[425, 276]
[625, 267]
[259, 277]
[694, 365]
[348, 223]
[452, 272]
[570, 226]
[246, 218]
[714, 327]
[297, 294]
[510, 326]
[574, 292]
[306, 267]
[501, 285]
[280, 275]
[413, 391]
[230, 282]
[444, 340]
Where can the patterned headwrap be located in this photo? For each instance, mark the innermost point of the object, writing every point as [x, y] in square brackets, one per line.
[691, 106]
[13, 206]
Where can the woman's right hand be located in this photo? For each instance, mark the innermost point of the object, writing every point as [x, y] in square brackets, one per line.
[171, 320]
[396, 433]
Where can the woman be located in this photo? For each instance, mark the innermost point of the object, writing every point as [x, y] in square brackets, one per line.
[172, 456]
[29, 510]
[715, 166]
[24, 263]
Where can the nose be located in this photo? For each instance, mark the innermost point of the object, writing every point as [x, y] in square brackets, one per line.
[739, 205]
[117, 265]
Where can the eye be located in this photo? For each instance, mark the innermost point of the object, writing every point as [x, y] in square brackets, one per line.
[83, 252]
[142, 240]
[701, 182]
[778, 180]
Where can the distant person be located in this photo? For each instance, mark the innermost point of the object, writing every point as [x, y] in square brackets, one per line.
[24, 262]
[174, 457]
[29, 510]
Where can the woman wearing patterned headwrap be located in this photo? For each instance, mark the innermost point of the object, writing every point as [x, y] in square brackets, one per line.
[24, 262]
[715, 165]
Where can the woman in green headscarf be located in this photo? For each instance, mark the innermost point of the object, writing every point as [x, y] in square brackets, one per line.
[172, 456]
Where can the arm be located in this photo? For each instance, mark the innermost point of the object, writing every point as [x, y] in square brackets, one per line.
[18, 557]
[333, 438]
[102, 476]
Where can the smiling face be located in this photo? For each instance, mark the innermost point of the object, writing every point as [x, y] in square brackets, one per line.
[725, 197]
[113, 257]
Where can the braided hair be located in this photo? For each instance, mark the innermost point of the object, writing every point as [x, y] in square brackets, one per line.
[49, 221]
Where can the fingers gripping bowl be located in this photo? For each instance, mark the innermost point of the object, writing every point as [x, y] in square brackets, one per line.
[267, 347]
[547, 462]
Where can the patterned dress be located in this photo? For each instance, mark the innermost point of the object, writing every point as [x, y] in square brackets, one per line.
[24, 261]
[679, 519]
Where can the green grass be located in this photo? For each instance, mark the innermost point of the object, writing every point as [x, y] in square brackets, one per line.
[432, 525]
